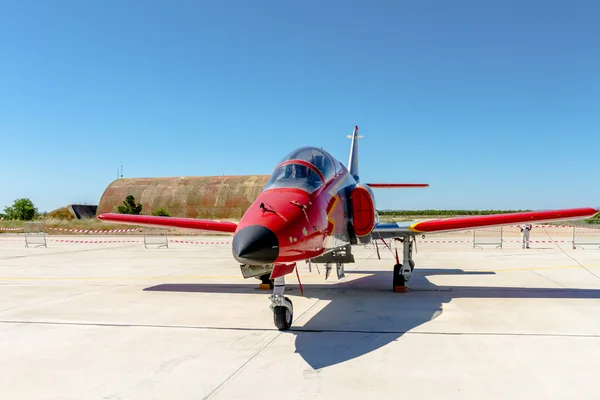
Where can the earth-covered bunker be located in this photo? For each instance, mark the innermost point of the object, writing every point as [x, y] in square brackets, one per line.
[225, 197]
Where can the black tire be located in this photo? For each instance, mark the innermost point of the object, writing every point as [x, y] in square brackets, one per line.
[283, 317]
[398, 278]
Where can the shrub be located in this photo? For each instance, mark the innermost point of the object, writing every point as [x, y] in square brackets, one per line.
[129, 206]
[161, 212]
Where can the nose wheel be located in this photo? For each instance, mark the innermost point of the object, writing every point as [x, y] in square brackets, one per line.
[283, 309]
[283, 315]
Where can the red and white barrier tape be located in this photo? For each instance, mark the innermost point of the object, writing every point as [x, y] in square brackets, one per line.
[95, 230]
[512, 228]
[111, 241]
[445, 241]
[93, 241]
[503, 241]
[538, 241]
[11, 229]
[191, 242]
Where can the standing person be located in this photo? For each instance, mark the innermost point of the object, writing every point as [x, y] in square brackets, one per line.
[525, 229]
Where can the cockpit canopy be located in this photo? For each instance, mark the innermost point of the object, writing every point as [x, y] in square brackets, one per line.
[299, 170]
[317, 157]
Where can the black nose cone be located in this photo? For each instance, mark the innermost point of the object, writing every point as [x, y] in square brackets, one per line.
[255, 245]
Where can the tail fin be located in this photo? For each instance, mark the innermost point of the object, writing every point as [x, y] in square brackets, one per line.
[353, 160]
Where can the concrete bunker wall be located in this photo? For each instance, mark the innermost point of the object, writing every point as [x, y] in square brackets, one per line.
[193, 197]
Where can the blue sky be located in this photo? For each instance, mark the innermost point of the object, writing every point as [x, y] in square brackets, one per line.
[495, 104]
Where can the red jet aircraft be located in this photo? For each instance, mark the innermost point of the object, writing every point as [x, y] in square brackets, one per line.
[314, 209]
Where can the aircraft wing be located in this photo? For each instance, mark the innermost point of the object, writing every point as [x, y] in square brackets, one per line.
[166, 222]
[410, 228]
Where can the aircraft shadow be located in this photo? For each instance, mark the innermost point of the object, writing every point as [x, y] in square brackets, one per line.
[363, 315]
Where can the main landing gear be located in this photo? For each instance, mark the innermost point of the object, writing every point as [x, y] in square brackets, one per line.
[402, 272]
[283, 309]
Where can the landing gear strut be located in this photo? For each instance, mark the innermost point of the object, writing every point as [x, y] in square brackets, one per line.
[339, 269]
[283, 309]
[402, 272]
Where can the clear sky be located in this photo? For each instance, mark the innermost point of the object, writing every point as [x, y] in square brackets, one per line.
[496, 104]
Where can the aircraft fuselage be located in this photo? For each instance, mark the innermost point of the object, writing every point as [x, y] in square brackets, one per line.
[290, 223]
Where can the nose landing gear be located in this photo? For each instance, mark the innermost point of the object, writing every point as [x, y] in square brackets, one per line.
[283, 309]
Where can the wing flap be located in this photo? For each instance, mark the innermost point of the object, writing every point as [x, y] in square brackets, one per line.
[187, 223]
[397, 229]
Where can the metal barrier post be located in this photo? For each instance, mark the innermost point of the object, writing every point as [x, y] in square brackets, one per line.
[480, 244]
[163, 242]
[588, 242]
[34, 234]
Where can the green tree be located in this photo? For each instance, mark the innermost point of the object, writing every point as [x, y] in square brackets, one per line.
[130, 207]
[161, 212]
[22, 209]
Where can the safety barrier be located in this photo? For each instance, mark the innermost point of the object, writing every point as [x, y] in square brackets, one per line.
[588, 230]
[581, 235]
[478, 241]
[160, 241]
[35, 234]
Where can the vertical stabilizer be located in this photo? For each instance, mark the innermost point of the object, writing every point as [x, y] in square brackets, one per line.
[353, 160]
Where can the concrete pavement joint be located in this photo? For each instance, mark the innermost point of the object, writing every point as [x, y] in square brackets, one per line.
[222, 384]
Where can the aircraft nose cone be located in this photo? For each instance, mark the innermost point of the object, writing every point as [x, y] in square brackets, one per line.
[255, 245]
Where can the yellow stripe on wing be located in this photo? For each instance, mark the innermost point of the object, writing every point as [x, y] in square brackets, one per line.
[413, 228]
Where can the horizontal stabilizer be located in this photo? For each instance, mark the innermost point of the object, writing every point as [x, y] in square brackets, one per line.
[397, 185]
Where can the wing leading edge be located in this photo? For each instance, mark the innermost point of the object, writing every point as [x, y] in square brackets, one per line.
[407, 228]
[164, 222]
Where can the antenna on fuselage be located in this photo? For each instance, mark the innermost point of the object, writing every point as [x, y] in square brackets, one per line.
[353, 160]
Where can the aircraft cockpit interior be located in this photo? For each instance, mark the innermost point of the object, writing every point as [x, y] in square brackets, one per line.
[306, 168]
